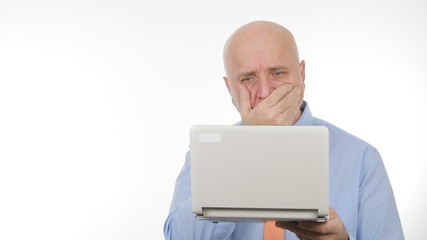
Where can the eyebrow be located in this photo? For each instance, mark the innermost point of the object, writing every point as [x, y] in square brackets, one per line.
[247, 73]
[271, 69]
[278, 67]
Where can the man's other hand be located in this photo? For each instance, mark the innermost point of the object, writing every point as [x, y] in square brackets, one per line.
[332, 230]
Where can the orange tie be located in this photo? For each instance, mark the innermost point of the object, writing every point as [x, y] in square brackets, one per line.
[271, 232]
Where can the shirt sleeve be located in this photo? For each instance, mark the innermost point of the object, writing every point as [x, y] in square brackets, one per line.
[181, 222]
[378, 216]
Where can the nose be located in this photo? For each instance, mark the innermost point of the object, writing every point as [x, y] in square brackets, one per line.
[263, 88]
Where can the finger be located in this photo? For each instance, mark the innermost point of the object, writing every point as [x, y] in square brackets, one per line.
[293, 227]
[288, 108]
[278, 94]
[322, 228]
[289, 117]
[301, 96]
[287, 225]
[291, 100]
[245, 105]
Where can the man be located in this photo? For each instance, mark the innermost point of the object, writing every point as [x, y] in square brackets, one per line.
[266, 81]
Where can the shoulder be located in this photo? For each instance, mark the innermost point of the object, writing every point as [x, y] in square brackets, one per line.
[343, 140]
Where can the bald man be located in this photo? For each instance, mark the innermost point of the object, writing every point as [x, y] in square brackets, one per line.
[265, 79]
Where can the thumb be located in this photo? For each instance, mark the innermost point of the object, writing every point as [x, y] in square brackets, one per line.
[245, 101]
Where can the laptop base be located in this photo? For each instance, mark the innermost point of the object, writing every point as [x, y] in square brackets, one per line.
[260, 215]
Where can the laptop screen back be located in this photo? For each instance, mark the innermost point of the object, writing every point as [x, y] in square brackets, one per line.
[259, 173]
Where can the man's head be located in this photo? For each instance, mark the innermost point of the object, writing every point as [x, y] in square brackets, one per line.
[261, 56]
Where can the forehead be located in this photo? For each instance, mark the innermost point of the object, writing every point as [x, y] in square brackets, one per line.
[259, 58]
[254, 48]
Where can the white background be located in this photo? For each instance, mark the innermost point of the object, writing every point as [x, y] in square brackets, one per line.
[96, 99]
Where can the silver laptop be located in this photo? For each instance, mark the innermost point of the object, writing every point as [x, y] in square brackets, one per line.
[260, 173]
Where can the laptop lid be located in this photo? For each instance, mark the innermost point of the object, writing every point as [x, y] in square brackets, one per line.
[259, 173]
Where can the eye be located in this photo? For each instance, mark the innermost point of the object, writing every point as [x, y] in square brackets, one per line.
[278, 74]
[246, 79]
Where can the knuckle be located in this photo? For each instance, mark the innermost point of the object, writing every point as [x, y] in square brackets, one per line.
[271, 100]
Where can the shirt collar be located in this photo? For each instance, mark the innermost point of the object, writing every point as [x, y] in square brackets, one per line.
[306, 118]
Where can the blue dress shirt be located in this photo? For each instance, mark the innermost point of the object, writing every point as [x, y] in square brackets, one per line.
[359, 191]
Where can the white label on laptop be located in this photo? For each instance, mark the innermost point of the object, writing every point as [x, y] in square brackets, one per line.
[210, 137]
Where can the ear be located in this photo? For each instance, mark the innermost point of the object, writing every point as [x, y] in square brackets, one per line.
[302, 70]
[227, 84]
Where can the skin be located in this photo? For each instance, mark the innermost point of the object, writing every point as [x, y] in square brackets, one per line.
[266, 82]
[261, 62]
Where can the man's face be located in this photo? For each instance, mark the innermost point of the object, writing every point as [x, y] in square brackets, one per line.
[261, 67]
